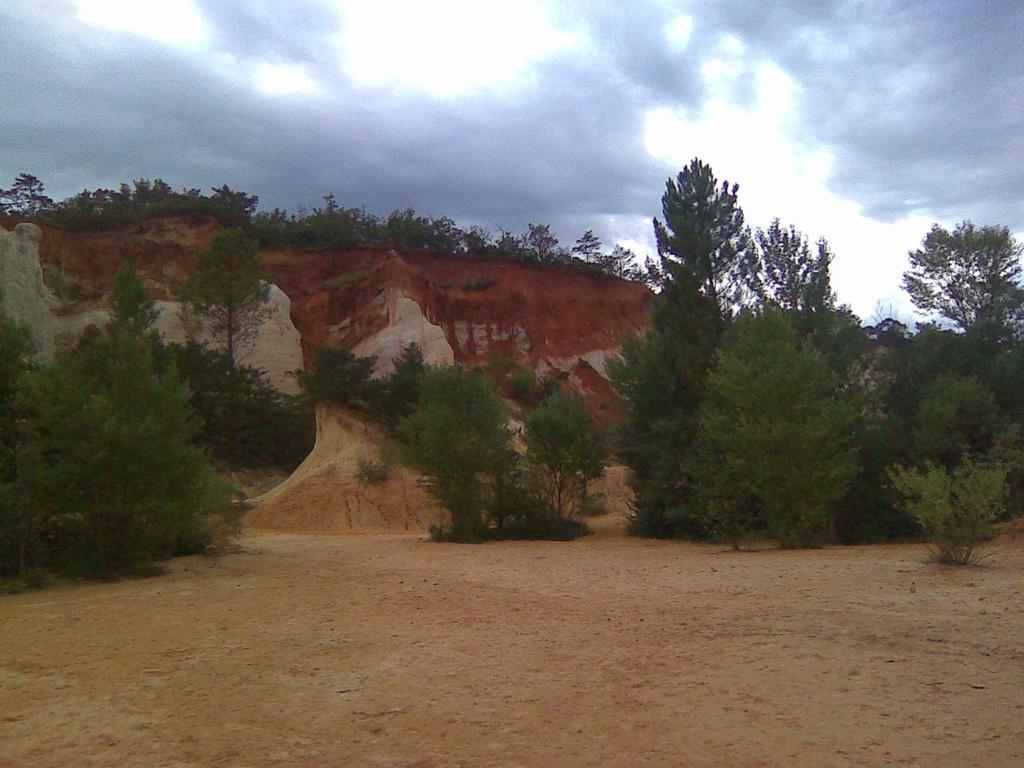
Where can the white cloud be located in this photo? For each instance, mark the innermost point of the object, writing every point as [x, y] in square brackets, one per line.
[445, 47]
[747, 129]
[168, 21]
[284, 79]
[678, 31]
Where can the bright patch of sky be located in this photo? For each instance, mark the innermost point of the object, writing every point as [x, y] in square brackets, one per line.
[747, 129]
[445, 47]
[284, 79]
[177, 22]
[678, 31]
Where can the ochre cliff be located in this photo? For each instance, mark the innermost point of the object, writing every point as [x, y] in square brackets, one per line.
[371, 300]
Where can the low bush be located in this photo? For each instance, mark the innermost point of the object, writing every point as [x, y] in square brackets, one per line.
[522, 386]
[372, 472]
[108, 475]
[956, 508]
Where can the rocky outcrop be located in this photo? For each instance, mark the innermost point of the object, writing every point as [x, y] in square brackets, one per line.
[324, 495]
[555, 320]
[59, 285]
[24, 295]
[405, 324]
[275, 348]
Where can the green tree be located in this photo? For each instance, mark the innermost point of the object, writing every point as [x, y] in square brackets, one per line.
[588, 247]
[540, 245]
[242, 420]
[968, 276]
[784, 271]
[703, 234]
[111, 461]
[565, 451]
[957, 417]
[228, 289]
[18, 525]
[134, 311]
[661, 378]
[459, 438]
[772, 431]
[27, 197]
[400, 391]
[338, 376]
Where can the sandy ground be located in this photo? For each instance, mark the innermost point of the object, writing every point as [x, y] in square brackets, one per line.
[389, 651]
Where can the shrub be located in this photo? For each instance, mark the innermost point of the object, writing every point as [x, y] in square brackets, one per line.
[109, 464]
[458, 437]
[371, 472]
[956, 508]
[522, 386]
[772, 437]
[17, 528]
[499, 365]
[565, 452]
[957, 416]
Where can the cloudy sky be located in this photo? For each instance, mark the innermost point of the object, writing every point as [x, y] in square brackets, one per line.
[861, 121]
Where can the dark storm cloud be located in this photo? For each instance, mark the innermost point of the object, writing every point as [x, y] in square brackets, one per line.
[87, 107]
[933, 125]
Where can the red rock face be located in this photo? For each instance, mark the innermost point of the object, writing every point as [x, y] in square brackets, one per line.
[543, 316]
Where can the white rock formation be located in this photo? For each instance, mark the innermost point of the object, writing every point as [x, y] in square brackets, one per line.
[406, 324]
[25, 297]
[276, 347]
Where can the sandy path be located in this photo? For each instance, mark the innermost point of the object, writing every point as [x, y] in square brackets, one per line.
[388, 651]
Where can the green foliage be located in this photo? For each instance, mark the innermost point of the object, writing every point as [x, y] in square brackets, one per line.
[399, 393]
[338, 376]
[523, 386]
[242, 420]
[661, 379]
[703, 234]
[331, 227]
[108, 469]
[143, 200]
[372, 472]
[26, 197]
[565, 451]
[228, 289]
[539, 244]
[968, 276]
[588, 247]
[134, 311]
[17, 528]
[772, 445]
[459, 438]
[782, 271]
[956, 508]
[957, 417]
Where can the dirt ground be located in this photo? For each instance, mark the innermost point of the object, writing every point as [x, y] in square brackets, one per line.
[385, 650]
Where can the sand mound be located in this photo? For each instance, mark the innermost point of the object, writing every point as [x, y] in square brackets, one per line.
[324, 496]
